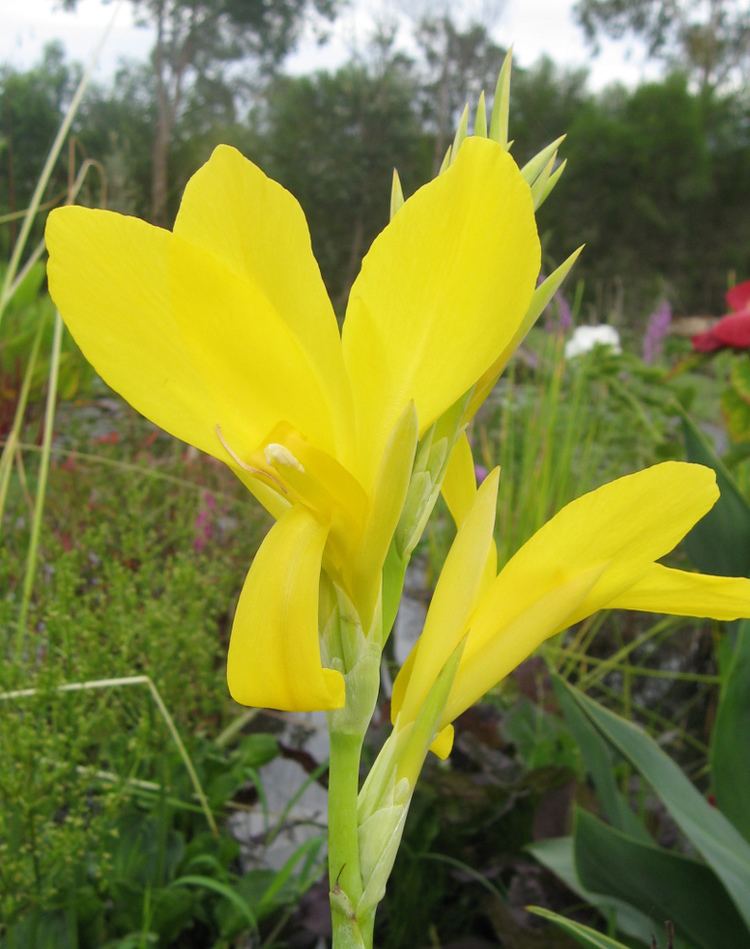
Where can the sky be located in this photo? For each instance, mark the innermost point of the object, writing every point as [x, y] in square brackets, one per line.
[533, 27]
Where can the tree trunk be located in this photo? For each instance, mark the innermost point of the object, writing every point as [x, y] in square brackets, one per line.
[160, 164]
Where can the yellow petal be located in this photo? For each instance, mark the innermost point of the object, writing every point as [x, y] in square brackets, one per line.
[230, 208]
[389, 493]
[443, 743]
[664, 590]
[624, 526]
[441, 292]
[517, 640]
[460, 482]
[595, 548]
[274, 652]
[455, 595]
[185, 340]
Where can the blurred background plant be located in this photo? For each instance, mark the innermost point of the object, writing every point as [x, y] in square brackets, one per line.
[141, 806]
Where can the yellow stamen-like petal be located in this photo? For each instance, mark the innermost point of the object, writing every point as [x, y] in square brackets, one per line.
[274, 652]
[593, 554]
[460, 483]
[664, 590]
[184, 339]
[622, 526]
[516, 640]
[441, 292]
[454, 598]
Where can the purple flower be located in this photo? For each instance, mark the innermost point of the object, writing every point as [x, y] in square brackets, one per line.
[480, 473]
[564, 313]
[657, 328]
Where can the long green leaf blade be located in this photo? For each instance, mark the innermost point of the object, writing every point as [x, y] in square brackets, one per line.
[730, 741]
[721, 845]
[720, 541]
[584, 935]
[660, 883]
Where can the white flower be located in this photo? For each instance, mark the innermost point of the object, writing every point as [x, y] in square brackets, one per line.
[584, 338]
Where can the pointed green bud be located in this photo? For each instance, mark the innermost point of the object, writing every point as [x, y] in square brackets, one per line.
[501, 103]
[480, 119]
[407, 533]
[397, 194]
[551, 182]
[537, 189]
[379, 840]
[534, 166]
[463, 127]
[410, 759]
[546, 290]
[446, 160]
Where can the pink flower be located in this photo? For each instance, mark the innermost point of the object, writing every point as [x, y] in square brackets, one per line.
[203, 524]
[480, 473]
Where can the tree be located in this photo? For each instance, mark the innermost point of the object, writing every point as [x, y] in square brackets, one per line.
[31, 107]
[710, 39]
[457, 64]
[194, 41]
[333, 139]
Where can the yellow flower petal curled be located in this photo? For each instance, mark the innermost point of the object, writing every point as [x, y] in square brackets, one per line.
[597, 552]
[230, 208]
[620, 528]
[441, 292]
[186, 341]
[443, 743]
[455, 595]
[664, 590]
[517, 639]
[274, 652]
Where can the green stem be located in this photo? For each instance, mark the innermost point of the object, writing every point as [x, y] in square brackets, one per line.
[343, 842]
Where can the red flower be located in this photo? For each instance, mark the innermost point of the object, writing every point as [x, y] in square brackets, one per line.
[738, 298]
[732, 330]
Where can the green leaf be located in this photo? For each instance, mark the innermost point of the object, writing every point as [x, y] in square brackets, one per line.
[720, 844]
[660, 883]
[582, 934]
[720, 542]
[739, 376]
[557, 855]
[283, 877]
[730, 741]
[598, 760]
[257, 750]
[223, 889]
[736, 409]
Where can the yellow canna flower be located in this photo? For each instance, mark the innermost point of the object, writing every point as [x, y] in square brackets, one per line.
[221, 332]
[598, 552]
